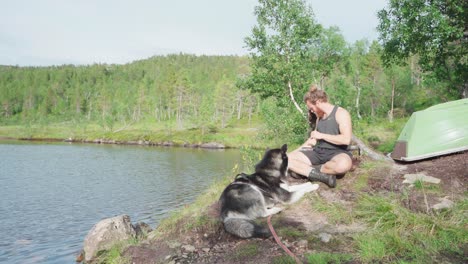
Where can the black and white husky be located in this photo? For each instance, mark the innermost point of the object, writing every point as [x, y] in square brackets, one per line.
[258, 194]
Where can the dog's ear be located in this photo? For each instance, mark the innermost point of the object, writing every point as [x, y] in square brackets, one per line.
[284, 148]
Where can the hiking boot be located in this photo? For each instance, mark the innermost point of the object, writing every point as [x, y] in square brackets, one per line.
[316, 175]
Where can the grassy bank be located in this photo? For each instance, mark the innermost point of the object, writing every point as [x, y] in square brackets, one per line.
[243, 133]
[378, 133]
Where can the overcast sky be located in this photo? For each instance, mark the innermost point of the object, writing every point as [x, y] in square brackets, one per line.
[56, 32]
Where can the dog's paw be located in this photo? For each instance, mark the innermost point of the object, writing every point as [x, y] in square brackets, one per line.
[315, 186]
[273, 210]
[285, 186]
[310, 187]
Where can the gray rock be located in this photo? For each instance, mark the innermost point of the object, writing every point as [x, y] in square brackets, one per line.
[325, 237]
[173, 244]
[142, 230]
[107, 233]
[444, 204]
[206, 250]
[167, 143]
[412, 178]
[212, 145]
[302, 243]
[188, 248]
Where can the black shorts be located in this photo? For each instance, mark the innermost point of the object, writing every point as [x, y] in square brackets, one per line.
[319, 156]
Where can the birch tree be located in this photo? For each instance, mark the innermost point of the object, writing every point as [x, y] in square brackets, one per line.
[280, 46]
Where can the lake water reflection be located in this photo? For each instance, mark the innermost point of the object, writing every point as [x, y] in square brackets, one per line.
[53, 193]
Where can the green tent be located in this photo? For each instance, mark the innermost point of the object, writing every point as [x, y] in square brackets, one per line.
[437, 130]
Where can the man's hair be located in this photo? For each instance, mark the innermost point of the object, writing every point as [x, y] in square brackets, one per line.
[314, 94]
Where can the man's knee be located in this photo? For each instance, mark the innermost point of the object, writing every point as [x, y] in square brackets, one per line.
[342, 164]
[342, 167]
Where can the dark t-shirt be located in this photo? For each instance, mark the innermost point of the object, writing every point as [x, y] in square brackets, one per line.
[331, 127]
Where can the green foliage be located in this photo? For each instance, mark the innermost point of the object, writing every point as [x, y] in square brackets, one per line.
[329, 51]
[281, 45]
[250, 157]
[282, 123]
[173, 88]
[435, 31]
[379, 132]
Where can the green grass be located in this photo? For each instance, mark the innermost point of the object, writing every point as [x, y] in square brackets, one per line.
[361, 181]
[336, 212]
[291, 233]
[326, 258]
[399, 235]
[114, 254]
[231, 136]
[284, 260]
[379, 132]
[427, 187]
[236, 134]
[245, 251]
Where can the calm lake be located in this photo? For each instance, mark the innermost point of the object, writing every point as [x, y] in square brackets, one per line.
[53, 193]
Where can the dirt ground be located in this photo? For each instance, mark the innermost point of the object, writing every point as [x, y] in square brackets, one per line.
[214, 245]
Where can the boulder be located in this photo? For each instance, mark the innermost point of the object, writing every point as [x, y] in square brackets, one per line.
[412, 178]
[212, 145]
[142, 230]
[107, 233]
[445, 203]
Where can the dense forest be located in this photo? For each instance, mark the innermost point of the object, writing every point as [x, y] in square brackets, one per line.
[183, 88]
[192, 91]
[184, 91]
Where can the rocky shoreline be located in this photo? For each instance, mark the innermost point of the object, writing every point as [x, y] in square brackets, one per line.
[206, 145]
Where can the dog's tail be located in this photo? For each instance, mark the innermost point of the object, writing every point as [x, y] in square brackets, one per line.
[245, 228]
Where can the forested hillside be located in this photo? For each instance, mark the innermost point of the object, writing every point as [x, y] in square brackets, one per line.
[184, 88]
[192, 90]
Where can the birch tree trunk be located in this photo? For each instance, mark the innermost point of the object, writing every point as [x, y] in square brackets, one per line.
[291, 95]
[358, 87]
[239, 106]
[390, 113]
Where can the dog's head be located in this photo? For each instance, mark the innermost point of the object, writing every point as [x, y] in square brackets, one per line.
[274, 162]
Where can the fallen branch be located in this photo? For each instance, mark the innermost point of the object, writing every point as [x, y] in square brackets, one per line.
[368, 151]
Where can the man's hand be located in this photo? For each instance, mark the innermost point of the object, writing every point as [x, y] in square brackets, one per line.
[316, 135]
[310, 143]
